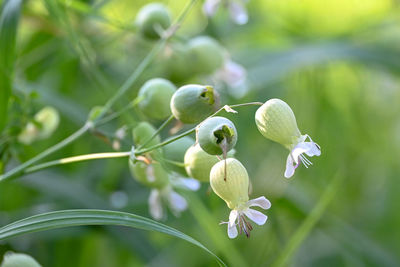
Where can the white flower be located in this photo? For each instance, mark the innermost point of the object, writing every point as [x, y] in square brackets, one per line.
[234, 75]
[296, 154]
[174, 201]
[237, 217]
[237, 10]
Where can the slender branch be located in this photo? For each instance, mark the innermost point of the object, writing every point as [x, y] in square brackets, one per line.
[120, 92]
[77, 159]
[19, 170]
[172, 139]
[165, 123]
[26, 170]
[166, 142]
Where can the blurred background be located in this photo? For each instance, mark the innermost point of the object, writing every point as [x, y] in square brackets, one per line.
[335, 62]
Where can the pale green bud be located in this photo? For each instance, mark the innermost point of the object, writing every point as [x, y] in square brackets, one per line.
[46, 122]
[155, 97]
[217, 135]
[153, 18]
[198, 163]
[151, 175]
[12, 259]
[230, 182]
[276, 121]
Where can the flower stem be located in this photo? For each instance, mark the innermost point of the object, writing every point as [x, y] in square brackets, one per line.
[172, 139]
[20, 169]
[165, 123]
[86, 157]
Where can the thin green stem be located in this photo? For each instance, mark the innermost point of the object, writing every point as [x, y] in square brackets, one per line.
[19, 170]
[120, 92]
[86, 157]
[172, 139]
[165, 123]
[115, 114]
[27, 169]
[166, 142]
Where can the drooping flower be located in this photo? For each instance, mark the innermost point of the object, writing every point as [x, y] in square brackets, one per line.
[237, 217]
[276, 121]
[230, 181]
[237, 9]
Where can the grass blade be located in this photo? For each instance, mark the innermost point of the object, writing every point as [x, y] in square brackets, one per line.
[67, 218]
[8, 31]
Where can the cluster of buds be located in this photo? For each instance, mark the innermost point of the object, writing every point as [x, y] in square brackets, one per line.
[209, 158]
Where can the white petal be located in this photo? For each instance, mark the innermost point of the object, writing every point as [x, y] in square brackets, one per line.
[235, 74]
[238, 13]
[261, 202]
[232, 217]
[256, 216]
[155, 206]
[210, 7]
[188, 183]
[232, 231]
[177, 202]
[313, 149]
[289, 167]
[310, 148]
[150, 173]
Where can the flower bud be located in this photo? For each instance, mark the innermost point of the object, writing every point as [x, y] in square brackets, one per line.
[12, 259]
[276, 121]
[199, 163]
[152, 175]
[142, 132]
[153, 18]
[45, 123]
[193, 103]
[206, 53]
[230, 182]
[155, 96]
[217, 135]
[175, 151]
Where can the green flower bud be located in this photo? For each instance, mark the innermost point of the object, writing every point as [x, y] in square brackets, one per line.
[12, 259]
[193, 103]
[206, 53]
[276, 121]
[142, 132]
[198, 163]
[95, 112]
[45, 123]
[155, 96]
[217, 135]
[175, 151]
[153, 18]
[151, 175]
[234, 189]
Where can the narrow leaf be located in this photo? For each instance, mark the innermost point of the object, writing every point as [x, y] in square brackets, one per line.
[66, 218]
[8, 30]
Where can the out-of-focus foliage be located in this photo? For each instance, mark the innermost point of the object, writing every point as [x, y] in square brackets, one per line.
[335, 62]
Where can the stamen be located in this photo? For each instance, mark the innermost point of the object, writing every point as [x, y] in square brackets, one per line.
[244, 226]
[305, 160]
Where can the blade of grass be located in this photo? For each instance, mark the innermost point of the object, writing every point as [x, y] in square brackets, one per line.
[67, 218]
[8, 32]
[309, 223]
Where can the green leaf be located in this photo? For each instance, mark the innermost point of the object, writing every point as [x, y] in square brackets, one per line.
[8, 30]
[66, 218]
